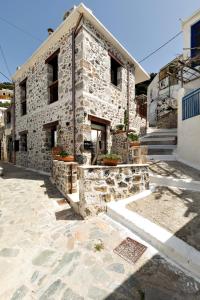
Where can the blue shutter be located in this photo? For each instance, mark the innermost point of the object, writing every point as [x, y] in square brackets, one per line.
[195, 39]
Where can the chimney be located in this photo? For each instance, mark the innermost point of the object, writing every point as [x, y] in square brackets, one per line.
[50, 31]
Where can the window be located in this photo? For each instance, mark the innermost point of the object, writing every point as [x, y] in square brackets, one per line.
[195, 42]
[115, 71]
[23, 97]
[51, 135]
[53, 138]
[8, 117]
[52, 63]
[23, 141]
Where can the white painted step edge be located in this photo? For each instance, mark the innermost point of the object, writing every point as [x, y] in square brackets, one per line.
[178, 251]
[152, 129]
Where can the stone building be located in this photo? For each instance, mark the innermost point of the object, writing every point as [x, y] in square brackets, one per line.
[73, 91]
[6, 153]
[162, 96]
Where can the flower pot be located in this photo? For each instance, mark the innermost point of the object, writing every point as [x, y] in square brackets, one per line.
[57, 157]
[110, 162]
[56, 150]
[135, 143]
[69, 158]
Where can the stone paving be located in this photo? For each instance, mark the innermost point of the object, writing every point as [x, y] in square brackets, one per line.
[183, 205]
[174, 169]
[47, 252]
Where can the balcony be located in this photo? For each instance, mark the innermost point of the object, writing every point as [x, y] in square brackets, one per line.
[191, 105]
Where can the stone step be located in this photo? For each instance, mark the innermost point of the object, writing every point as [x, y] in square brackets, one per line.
[157, 138]
[158, 142]
[170, 181]
[160, 135]
[164, 241]
[161, 130]
[162, 157]
[161, 147]
[159, 151]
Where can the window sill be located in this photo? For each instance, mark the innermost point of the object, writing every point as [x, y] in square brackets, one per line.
[118, 87]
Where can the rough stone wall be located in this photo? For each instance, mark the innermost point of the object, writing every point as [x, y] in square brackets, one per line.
[168, 120]
[100, 97]
[39, 112]
[101, 184]
[64, 176]
[119, 145]
[95, 95]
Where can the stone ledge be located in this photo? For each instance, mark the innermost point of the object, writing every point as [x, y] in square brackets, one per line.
[118, 166]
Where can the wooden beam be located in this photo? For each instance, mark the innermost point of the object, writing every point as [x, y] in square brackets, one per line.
[98, 120]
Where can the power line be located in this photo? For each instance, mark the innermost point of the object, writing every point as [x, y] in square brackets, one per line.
[21, 29]
[163, 45]
[5, 61]
[5, 76]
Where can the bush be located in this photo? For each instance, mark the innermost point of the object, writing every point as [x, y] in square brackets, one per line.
[133, 137]
[120, 126]
[112, 156]
[64, 153]
[5, 104]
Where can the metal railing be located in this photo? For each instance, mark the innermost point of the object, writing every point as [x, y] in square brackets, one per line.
[191, 105]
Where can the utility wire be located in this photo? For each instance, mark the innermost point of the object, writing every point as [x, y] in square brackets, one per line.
[5, 61]
[163, 45]
[21, 29]
[5, 76]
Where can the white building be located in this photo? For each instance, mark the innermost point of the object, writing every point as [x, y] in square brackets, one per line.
[162, 97]
[189, 96]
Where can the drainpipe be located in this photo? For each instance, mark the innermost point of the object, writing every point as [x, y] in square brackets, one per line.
[128, 110]
[74, 34]
[13, 130]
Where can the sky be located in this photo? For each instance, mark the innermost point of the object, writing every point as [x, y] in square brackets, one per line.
[141, 26]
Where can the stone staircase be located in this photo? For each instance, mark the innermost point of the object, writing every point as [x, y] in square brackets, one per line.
[161, 143]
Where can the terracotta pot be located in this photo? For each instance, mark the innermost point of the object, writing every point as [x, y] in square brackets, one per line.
[134, 143]
[110, 162]
[57, 157]
[69, 158]
[56, 150]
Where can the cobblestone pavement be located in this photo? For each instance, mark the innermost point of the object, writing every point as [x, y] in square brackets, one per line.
[48, 253]
[182, 204]
[174, 169]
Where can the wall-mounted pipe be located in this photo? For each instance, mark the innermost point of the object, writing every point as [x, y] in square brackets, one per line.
[128, 110]
[74, 34]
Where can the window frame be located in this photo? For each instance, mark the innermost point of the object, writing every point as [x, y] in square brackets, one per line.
[23, 143]
[119, 65]
[53, 84]
[23, 99]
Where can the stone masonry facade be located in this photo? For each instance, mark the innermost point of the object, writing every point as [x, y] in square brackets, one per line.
[99, 185]
[95, 95]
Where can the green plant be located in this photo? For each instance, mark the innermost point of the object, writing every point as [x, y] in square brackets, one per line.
[64, 153]
[5, 104]
[99, 246]
[133, 137]
[112, 156]
[120, 126]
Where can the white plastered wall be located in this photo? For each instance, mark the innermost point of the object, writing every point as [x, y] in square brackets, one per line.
[188, 149]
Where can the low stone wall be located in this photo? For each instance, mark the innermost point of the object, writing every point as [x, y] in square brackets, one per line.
[64, 175]
[101, 184]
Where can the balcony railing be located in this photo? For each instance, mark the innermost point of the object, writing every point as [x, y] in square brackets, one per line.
[191, 105]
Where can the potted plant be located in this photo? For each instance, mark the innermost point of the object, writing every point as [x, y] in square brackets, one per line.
[55, 152]
[111, 159]
[65, 156]
[134, 139]
[120, 127]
